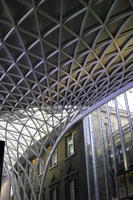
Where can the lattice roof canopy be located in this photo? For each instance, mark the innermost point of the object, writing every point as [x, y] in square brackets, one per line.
[61, 52]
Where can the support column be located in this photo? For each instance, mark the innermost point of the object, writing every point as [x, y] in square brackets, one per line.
[2, 144]
[87, 142]
[89, 136]
[121, 134]
[128, 115]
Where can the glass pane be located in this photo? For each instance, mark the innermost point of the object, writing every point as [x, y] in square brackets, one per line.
[70, 145]
[71, 150]
[110, 153]
[54, 159]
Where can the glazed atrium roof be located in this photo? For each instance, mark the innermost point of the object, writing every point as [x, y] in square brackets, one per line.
[56, 58]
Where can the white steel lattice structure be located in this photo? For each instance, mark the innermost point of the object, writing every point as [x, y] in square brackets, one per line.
[57, 58]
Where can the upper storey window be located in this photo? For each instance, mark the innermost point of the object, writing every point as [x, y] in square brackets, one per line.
[53, 161]
[69, 145]
[40, 167]
[32, 167]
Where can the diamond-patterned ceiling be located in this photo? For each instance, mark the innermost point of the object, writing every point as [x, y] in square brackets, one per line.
[63, 53]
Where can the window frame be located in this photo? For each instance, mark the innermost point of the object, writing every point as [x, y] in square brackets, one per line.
[32, 166]
[40, 164]
[54, 164]
[54, 187]
[68, 180]
[67, 145]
